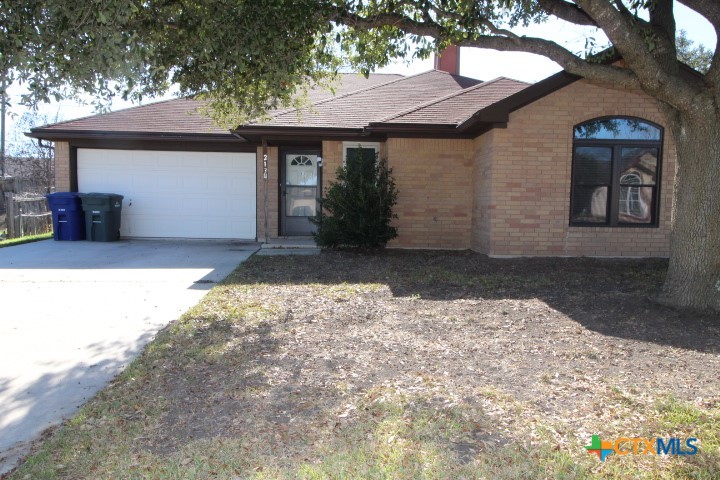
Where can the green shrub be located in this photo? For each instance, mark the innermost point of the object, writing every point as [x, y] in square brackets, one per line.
[357, 210]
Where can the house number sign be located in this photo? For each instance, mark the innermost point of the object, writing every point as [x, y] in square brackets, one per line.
[265, 166]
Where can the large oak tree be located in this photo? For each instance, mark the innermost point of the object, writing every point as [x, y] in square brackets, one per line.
[248, 56]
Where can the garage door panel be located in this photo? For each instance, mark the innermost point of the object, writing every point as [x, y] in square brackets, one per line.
[109, 178]
[113, 159]
[205, 227]
[176, 194]
[234, 208]
[138, 159]
[247, 168]
[222, 183]
[221, 229]
[160, 205]
[168, 184]
[149, 183]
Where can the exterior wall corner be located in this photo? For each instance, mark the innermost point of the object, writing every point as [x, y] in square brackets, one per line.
[531, 179]
[63, 174]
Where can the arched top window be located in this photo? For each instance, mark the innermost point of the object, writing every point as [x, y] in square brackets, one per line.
[618, 129]
[616, 173]
[301, 160]
[301, 170]
[630, 179]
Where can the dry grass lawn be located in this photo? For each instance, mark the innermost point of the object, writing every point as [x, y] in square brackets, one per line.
[407, 365]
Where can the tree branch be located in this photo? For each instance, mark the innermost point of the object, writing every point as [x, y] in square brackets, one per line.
[662, 80]
[662, 21]
[646, 71]
[566, 11]
[568, 60]
[565, 58]
[396, 20]
[618, 26]
[709, 9]
[712, 77]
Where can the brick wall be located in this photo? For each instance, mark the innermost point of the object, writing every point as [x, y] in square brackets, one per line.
[435, 182]
[482, 191]
[62, 166]
[530, 184]
[272, 194]
[332, 154]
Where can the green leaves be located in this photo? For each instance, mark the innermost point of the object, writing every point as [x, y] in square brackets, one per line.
[357, 210]
[696, 56]
[243, 56]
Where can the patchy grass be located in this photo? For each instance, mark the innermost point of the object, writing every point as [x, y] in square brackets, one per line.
[27, 239]
[407, 365]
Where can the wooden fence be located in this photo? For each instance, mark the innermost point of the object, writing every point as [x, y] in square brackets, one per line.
[27, 185]
[24, 185]
[27, 214]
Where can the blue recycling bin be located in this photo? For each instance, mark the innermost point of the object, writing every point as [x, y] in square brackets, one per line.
[67, 214]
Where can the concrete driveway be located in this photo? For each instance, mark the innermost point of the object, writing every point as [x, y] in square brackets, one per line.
[74, 314]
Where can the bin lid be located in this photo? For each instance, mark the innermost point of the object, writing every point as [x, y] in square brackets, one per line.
[63, 195]
[101, 201]
[109, 196]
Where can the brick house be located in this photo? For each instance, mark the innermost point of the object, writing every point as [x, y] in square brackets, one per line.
[562, 167]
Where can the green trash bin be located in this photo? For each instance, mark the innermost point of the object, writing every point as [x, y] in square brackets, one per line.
[102, 216]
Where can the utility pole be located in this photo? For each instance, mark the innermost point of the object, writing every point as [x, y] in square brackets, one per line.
[3, 85]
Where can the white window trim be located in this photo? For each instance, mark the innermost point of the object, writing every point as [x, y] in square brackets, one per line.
[346, 145]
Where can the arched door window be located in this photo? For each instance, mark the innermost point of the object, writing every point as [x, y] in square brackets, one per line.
[616, 172]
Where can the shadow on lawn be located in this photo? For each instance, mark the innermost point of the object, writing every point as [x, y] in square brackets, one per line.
[609, 296]
[256, 380]
[27, 411]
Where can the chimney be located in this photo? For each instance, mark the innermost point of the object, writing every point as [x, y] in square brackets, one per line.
[449, 60]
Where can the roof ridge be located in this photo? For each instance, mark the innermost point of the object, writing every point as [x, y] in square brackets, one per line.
[461, 119]
[446, 97]
[457, 75]
[362, 90]
[372, 87]
[111, 112]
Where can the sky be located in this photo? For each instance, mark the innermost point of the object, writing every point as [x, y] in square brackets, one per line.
[486, 64]
[477, 63]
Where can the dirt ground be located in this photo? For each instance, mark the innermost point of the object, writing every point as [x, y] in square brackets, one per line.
[318, 336]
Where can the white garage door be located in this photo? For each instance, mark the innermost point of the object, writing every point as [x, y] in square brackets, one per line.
[175, 194]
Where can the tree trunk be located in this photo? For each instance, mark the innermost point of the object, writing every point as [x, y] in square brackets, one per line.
[693, 278]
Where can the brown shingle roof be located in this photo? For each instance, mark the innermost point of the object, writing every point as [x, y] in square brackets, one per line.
[357, 109]
[178, 115]
[457, 107]
[181, 116]
[434, 99]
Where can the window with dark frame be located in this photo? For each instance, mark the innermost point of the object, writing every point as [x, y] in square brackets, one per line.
[364, 153]
[616, 173]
